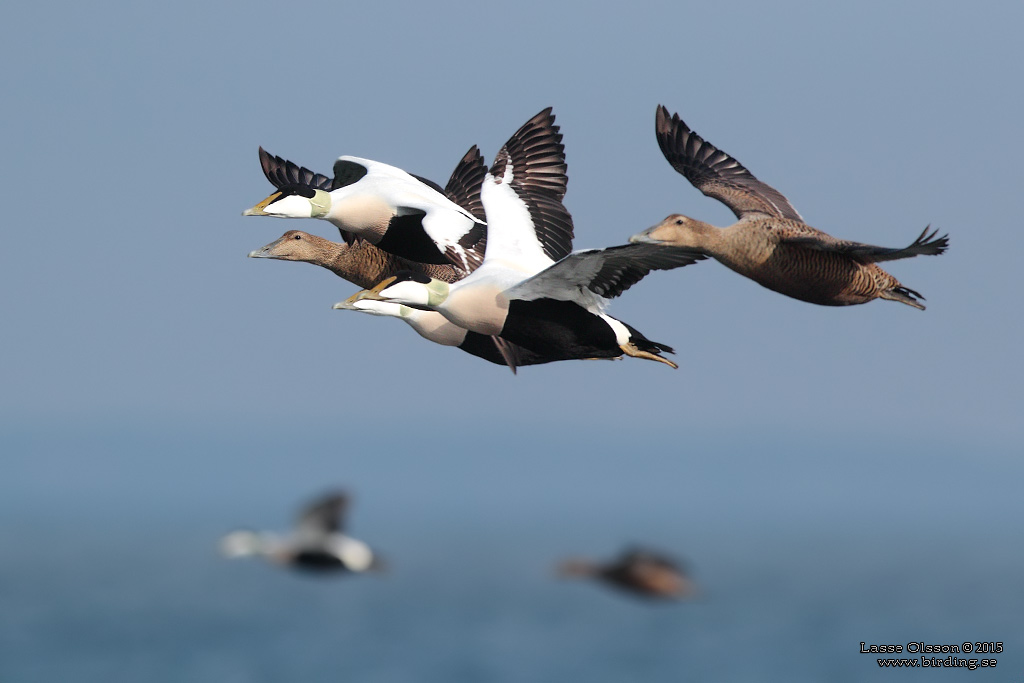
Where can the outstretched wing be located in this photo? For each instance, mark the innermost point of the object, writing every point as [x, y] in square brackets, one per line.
[282, 173]
[925, 245]
[464, 189]
[325, 515]
[606, 273]
[715, 173]
[464, 186]
[527, 224]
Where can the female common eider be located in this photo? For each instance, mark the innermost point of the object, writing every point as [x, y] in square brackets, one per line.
[641, 572]
[317, 543]
[361, 263]
[770, 243]
[520, 292]
[402, 214]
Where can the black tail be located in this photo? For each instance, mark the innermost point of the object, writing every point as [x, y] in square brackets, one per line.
[904, 295]
[928, 245]
[644, 344]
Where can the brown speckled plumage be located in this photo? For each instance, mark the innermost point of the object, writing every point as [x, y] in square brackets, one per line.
[770, 243]
[360, 263]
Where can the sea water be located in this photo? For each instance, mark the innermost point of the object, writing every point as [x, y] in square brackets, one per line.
[110, 569]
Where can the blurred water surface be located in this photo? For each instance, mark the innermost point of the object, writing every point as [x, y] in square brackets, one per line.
[110, 570]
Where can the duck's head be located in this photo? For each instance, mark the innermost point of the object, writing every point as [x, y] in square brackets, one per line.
[294, 245]
[406, 287]
[675, 231]
[293, 201]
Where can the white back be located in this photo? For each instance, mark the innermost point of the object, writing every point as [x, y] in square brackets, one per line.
[445, 221]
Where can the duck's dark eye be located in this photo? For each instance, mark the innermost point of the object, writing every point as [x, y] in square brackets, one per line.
[679, 221]
[297, 237]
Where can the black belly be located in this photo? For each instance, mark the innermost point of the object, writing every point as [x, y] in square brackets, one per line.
[314, 560]
[559, 330]
[483, 346]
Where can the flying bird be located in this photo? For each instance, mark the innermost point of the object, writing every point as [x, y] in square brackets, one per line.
[770, 243]
[434, 327]
[317, 543]
[398, 212]
[638, 571]
[530, 290]
[360, 262]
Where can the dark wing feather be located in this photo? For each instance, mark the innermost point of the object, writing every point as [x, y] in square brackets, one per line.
[605, 272]
[715, 173]
[925, 245]
[538, 157]
[625, 265]
[552, 223]
[281, 173]
[464, 186]
[539, 178]
[464, 189]
[325, 515]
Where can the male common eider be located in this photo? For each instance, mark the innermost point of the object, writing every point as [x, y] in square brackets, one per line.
[403, 214]
[317, 543]
[640, 572]
[434, 327]
[520, 292]
[770, 243]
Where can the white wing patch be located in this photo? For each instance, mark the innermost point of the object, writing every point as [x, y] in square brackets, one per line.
[510, 231]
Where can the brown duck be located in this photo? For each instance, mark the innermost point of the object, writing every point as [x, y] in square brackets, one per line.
[360, 263]
[641, 572]
[770, 243]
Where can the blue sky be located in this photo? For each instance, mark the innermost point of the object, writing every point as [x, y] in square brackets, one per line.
[130, 152]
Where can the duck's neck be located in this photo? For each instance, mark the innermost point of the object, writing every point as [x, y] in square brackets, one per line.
[709, 238]
[740, 248]
[365, 265]
[361, 263]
